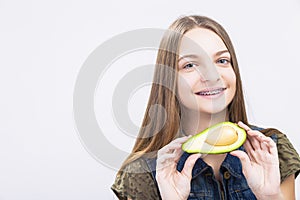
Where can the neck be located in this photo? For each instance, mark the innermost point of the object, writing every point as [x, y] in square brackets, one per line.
[194, 122]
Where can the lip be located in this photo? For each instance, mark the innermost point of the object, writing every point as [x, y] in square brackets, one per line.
[211, 92]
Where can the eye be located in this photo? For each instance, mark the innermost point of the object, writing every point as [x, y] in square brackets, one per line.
[223, 61]
[189, 66]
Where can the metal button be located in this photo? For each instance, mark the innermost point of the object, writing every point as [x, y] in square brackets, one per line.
[227, 175]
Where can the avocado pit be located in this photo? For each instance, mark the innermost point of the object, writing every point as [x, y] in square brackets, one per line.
[223, 135]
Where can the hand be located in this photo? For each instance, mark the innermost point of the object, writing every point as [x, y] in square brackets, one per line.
[260, 164]
[173, 184]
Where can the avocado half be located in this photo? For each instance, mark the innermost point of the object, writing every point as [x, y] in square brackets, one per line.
[220, 138]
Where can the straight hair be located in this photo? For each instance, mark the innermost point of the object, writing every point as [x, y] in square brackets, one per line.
[160, 128]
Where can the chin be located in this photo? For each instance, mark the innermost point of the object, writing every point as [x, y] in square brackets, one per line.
[205, 107]
[213, 111]
[208, 110]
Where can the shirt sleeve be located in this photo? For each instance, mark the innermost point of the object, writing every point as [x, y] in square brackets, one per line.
[135, 182]
[289, 161]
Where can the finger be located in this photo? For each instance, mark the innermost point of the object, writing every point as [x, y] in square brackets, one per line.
[175, 144]
[175, 156]
[245, 160]
[181, 139]
[254, 133]
[249, 149]
[255, 143]
[270, 145]
[189, 164]
[166, 157]
[262, 138]
[250, 133]
[166, 160]
[169, 148]
[178, 153]
[266, 143]
[244, 126]
[247, 145]
[264, 146]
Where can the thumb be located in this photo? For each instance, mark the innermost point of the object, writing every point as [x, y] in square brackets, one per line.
[244, 158]
[189, 164]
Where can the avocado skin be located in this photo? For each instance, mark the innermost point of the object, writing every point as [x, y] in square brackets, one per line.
[197, 144]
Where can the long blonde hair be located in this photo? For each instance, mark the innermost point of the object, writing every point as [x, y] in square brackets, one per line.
[159, 130]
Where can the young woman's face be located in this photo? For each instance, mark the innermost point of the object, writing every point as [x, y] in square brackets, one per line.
[206, 80]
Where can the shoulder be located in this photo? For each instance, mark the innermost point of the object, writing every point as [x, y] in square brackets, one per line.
[267, 131]
[289, 160]
[135, 181]
[288, 156]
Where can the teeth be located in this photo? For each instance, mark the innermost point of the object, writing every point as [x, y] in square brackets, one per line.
[212, 92]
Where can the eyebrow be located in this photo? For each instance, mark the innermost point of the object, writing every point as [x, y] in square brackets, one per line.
[195, 56]
[221, 52]
[188, 56]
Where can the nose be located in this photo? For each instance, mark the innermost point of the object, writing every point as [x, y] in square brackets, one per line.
[209, 73]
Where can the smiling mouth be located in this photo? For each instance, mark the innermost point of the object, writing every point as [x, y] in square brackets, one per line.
[210, 92]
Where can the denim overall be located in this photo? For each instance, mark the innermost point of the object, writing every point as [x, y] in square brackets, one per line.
[204, 186]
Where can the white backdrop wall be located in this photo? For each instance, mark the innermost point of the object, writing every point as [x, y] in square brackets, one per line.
[43, 45]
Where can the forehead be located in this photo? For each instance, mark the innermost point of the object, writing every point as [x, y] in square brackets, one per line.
[201, 40]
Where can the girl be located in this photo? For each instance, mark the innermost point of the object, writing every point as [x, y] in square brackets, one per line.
[197, 82]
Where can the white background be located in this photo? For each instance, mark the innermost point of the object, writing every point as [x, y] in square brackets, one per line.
[44, 43]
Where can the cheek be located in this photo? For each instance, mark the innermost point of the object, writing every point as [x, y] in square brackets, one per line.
[184, 86]
[229, 77]
[234, 80]
[231, 80]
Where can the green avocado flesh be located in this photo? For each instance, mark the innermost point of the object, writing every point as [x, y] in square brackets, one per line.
[220, 138]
